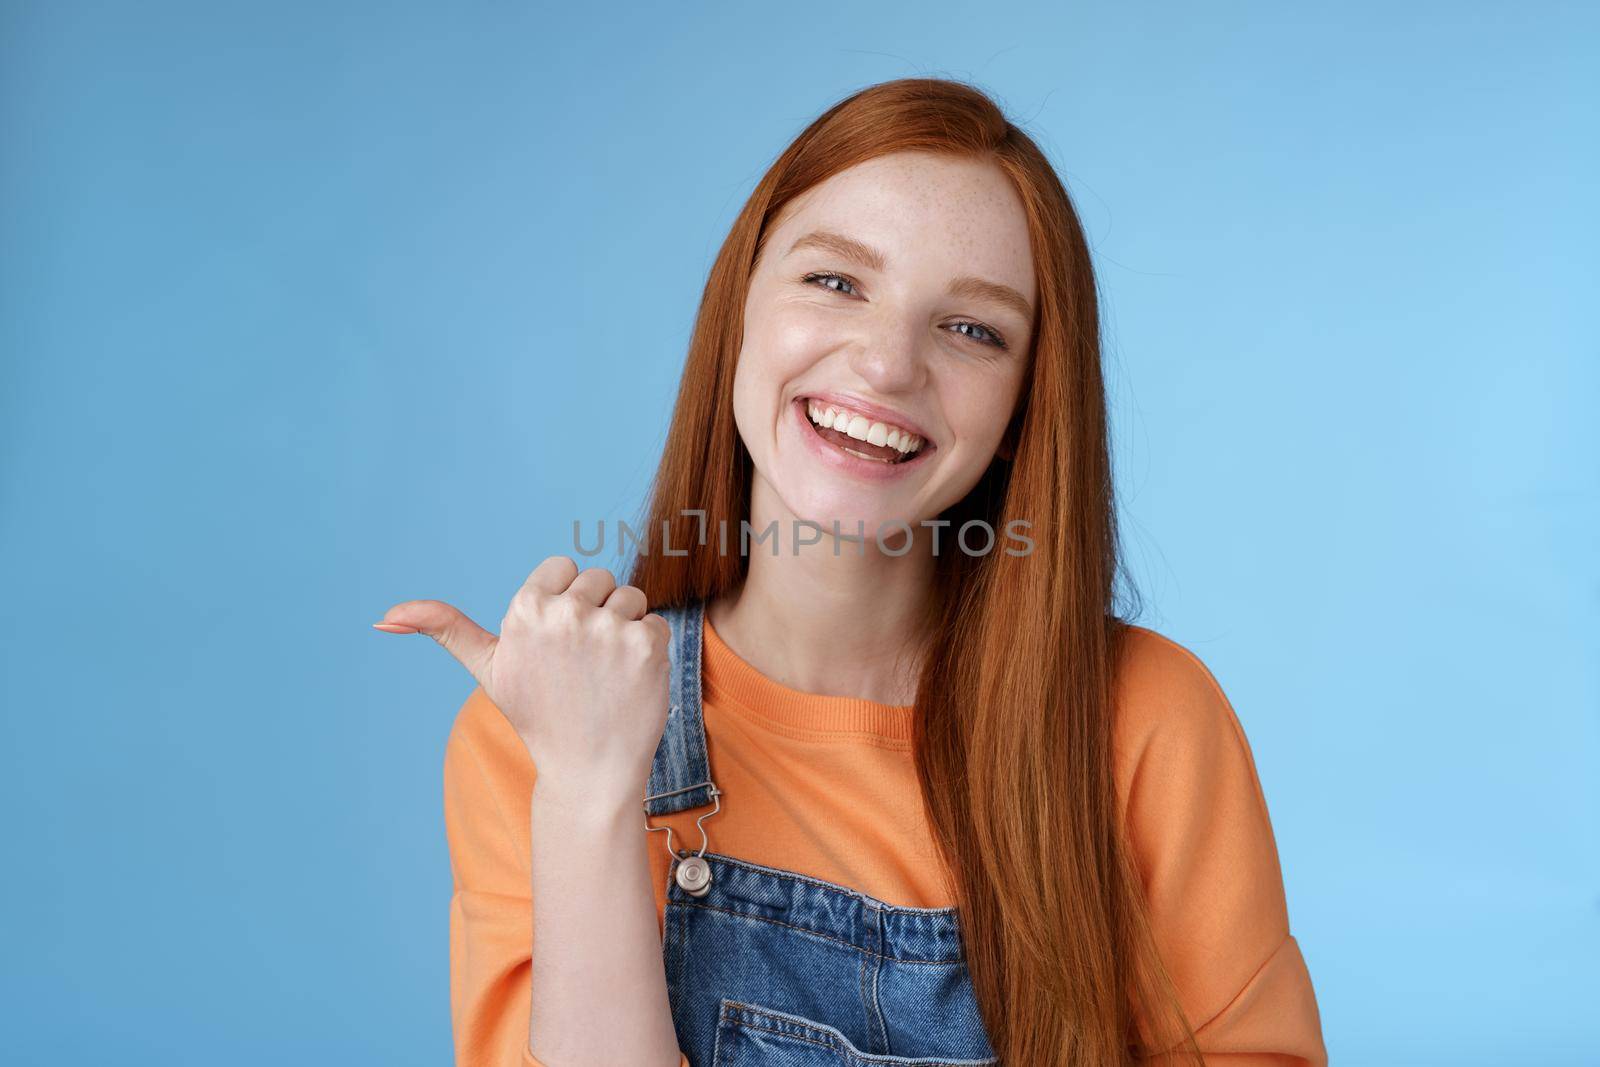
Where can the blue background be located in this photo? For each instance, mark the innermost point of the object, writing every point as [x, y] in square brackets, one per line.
[310, 311]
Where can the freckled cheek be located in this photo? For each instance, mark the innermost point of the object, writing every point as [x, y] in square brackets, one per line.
[795, 338]
[773, 359]
[978, 408]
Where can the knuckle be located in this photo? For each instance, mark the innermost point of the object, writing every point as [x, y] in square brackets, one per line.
[643, 645]
[524, 607]
[563, 609]
[555, 570]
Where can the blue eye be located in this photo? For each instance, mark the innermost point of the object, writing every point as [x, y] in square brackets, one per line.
[998, 341]
[814, 276]
[994, 337]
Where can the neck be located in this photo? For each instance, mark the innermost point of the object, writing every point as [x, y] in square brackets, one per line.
[836, 625]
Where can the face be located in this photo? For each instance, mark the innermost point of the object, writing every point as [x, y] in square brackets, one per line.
[899, 294]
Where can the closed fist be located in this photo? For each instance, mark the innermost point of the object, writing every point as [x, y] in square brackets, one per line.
[579, 668]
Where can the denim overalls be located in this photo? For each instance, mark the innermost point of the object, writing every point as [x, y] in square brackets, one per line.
[773, 968]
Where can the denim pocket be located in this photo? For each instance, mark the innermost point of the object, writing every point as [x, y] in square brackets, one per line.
[749, 1035]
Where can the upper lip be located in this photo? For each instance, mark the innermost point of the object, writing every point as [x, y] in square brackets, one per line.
[877, 412]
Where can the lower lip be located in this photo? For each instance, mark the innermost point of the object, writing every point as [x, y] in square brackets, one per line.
[845, 462]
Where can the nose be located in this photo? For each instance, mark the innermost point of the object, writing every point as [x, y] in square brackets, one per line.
[890, 362]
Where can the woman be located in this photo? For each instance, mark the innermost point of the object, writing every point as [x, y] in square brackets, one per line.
[852, 735]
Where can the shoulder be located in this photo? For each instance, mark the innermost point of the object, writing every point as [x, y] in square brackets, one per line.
[1202, 841]
[1187, 787]
[488, 778]
[1171, 710]
[1186, 781]
[1161, 683]
[484, 736]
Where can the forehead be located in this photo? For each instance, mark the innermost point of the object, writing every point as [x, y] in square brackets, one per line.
[927, 212]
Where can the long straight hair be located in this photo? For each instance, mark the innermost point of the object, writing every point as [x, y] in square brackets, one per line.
[1013, 723]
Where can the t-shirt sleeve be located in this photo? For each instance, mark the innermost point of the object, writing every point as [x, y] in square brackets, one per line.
[1201, 838]
[488, 789]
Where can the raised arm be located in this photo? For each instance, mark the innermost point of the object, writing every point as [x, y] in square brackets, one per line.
[555, 948]
[501, 828]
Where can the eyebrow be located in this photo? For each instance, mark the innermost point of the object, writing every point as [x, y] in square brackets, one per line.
[968, 286]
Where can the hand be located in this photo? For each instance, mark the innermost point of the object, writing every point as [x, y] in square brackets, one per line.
[579, 669]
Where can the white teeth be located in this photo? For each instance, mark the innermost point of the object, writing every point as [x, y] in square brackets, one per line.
[863, 429]
[820, 415]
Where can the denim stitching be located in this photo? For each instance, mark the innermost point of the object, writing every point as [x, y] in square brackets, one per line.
[734, 1012]
[815, 933]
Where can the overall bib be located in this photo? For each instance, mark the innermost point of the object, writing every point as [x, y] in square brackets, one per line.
[771, 968]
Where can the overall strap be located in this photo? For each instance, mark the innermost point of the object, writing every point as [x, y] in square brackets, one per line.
[680, 778]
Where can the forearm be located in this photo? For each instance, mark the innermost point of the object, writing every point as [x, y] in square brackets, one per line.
[599, 991]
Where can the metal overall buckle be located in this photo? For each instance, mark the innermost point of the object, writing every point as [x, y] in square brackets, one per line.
[691, 872]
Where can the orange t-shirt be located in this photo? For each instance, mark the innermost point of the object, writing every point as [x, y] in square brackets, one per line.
[825, 786]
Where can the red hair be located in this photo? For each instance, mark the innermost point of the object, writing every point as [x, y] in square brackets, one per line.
[1014, 709]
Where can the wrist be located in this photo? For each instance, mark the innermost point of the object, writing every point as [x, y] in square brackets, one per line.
[594, 798]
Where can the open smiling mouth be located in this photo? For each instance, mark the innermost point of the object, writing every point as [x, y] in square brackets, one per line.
[863, 437]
